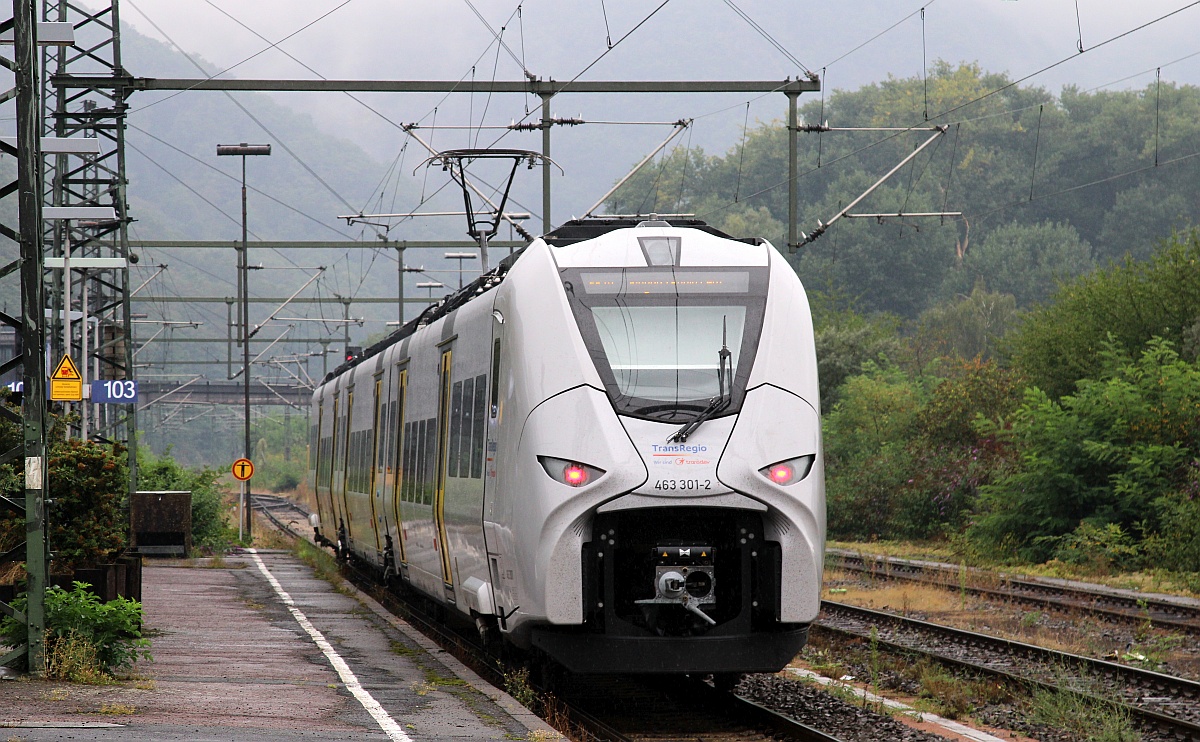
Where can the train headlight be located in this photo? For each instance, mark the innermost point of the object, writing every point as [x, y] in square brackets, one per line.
[789, 471]
[570, 473]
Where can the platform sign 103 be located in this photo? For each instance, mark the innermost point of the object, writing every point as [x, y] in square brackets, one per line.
[115, 391]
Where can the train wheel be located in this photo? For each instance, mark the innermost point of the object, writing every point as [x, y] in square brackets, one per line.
[726, 681]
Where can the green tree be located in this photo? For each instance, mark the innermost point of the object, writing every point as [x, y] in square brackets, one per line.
[1025, 226]
[903, 456]
[1028, 261]
[87, 521]
[1103, 455]
[1062, 342]
[964, 327]
[1141, 218]
[845, 340]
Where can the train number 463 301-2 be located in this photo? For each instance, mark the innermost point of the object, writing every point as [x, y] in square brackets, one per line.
[683, 484]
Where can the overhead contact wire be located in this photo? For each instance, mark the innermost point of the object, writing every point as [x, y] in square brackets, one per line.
[251, 116]
[208, 77]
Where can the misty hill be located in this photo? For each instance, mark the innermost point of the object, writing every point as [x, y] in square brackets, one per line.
[1049, 186]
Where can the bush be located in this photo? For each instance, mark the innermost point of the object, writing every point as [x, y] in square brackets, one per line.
[1108, 454]
[87, 519]
[1176, 544]
[906, 463]
[1096, 549]
[862, 494]
[78, 625]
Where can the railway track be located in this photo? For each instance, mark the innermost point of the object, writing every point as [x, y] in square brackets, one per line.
[1110, 606]
[605, 709]
[1163, 703]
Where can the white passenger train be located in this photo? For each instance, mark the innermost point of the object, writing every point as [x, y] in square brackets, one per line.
[607, 449]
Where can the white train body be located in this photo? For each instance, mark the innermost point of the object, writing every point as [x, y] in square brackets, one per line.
[510, 457]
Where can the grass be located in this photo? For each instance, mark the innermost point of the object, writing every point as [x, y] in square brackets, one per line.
[516, 684]
[404, 650]
[1085, 718]
[1071, 632]
[75, 659]
[267, 536]
[117, 709]
[919, 682]
[1149, 581]
[323, 564]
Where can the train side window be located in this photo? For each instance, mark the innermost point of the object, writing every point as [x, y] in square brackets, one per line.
[333, 441]
[495, 405]
[414, 478]
[419, 489]
[355, 460]
[384, 421]
[464, 456]
[409, 473]
[456, 428]
[360, 451]
[352, 467]
[344, 454]
[393, 434]
[480, 429]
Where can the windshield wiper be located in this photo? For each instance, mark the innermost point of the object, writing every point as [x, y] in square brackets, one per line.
[717, 404]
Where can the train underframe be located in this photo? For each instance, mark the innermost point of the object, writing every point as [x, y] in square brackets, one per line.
[672, 591]
[678, 590]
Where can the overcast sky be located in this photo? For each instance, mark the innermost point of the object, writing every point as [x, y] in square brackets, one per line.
[686, 39]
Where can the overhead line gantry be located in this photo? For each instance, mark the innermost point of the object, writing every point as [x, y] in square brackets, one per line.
[544, 89]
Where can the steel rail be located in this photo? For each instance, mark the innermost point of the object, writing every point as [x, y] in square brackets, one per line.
[1124, 608]
[1151, 687]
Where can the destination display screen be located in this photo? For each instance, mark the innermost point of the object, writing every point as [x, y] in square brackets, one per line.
[666, 282]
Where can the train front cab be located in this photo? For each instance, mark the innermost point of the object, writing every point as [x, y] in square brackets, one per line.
[671, 560]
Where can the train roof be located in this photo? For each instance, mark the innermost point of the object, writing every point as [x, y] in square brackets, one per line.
[580, 230]
[568, 233]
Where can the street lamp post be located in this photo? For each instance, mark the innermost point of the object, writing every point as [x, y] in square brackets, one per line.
[244, 150]
[431, 285]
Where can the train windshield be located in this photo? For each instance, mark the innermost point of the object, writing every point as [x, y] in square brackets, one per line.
[669, 341]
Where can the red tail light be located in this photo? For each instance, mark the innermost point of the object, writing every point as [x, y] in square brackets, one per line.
[575, 475]
[789, 471]
[781, 473]
[570, 473]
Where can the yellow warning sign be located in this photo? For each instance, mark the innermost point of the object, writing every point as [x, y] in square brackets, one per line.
[243, 469]
[66, 383]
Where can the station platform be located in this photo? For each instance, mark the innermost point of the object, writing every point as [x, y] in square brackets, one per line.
[258, 648]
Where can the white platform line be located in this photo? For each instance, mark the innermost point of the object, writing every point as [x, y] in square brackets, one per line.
[377, 712]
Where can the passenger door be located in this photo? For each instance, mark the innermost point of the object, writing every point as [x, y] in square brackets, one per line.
[401, 462]
[376, 485]
[439, 494]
